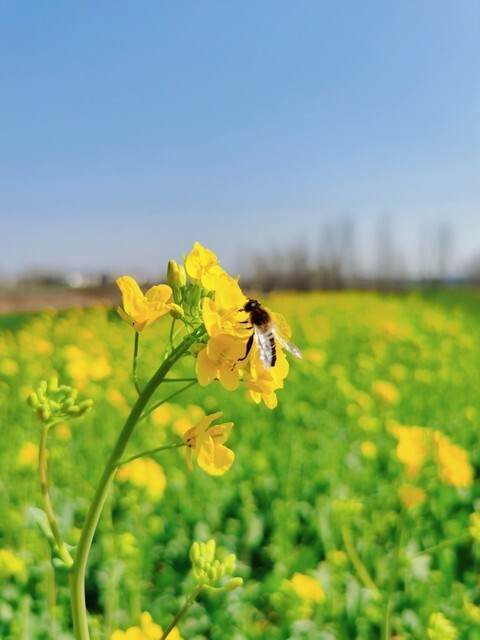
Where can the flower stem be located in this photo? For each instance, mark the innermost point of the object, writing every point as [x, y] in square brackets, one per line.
[180, 380]
[150, 452]
[47, 503]
[134, 366]
[387, 625]
[159, 404]
[360, 568]
[77, 578]
[444, 544]
[190, 600]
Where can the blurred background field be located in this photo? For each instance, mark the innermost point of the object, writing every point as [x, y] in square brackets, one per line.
[318, 484]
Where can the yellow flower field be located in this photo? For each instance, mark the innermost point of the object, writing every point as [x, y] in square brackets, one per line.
[348, 490]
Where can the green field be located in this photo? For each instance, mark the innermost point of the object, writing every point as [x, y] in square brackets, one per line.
[319, 486]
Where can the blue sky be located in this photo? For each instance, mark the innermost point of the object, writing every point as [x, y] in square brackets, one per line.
[129, 130]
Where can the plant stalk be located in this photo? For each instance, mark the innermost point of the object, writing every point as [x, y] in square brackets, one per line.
[77, 578]
[47, 503]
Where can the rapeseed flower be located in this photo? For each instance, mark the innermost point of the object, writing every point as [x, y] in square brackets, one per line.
[411, 496]
[261, 383]
[385, 391]
[218, 361]
[454, 467]
[413, 447]
[148, 630]
[202, 267]
[307, 588]
[11, 566]
[440, 628]
[140, 310]
[208, 444]
[28, 455]
[146, 474]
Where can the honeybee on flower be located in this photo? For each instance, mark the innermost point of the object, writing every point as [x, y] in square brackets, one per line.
[266, 333]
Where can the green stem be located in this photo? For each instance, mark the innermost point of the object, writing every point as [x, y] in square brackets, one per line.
[134, 366]
[172, 327]
[77, 578]
[360, 568]
[451, 542]
[151, 452]
[190, 600]
[159, 404]
[180, 380]
[47, 503]
[387, 625]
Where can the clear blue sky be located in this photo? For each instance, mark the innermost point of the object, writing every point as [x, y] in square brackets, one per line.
[130, 129]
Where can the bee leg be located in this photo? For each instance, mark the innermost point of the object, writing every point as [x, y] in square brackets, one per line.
[249, 346]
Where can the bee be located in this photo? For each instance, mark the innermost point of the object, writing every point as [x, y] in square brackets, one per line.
[265, 333]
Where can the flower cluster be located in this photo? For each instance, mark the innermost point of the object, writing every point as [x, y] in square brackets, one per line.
[417, 445]
[52, 402]
[207, 442]
[209, 566]
[205, 298]
[145, 474]
[148, 630]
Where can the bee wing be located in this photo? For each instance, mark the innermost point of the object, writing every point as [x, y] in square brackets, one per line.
[264, 345]
[285, 342]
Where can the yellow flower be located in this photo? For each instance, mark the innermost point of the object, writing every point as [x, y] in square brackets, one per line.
[218, 361]
[202, 267]
[385, 391]
[413, 447]
[411, 496]
[307, 588]
[144, 473]
[455, 468]
[207, 442]
[28, 455]
[148, 630]
[11, 566]
[369, 449]
[440, 628]
[262, 384]
[140, 310]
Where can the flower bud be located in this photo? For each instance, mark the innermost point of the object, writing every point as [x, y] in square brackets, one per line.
[233, 584]
[194, 552]
[176, 277]
[53, 384]
[32, 400]
[43, 412]
[85, 406]
[176, 311]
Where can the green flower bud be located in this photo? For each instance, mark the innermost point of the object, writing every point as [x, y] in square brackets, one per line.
[53, 402]
[32, 400]
[68, 404]
[194, 552]
[85, 406]
[212, 573]
[233, 584]
[209, 552]
[229, 563]
[176, 312]
[43, 412]
[53, 384]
